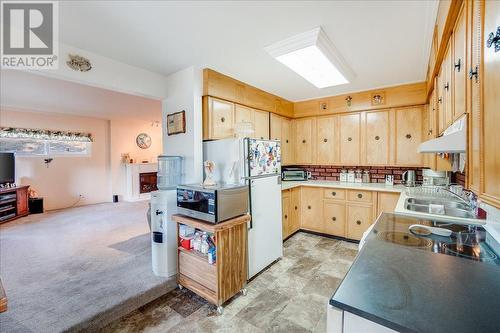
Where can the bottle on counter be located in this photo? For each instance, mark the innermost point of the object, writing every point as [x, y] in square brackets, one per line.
[358, 178]
[343, 175]
[350, 176]
[366, 176]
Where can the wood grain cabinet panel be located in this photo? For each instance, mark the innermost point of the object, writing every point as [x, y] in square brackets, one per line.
[377, 137]
[491, 114]
[334, 193]
[447, 86]
[219, 119]
[408, 136]
[286, 141]
[295, 209]
[326, 140]
[304, 140]
[359, 218]
[334, 218]
[311, 208]
[349, 130]
[360, 196]
[22, 201]
[286, 217]
[243, 114]
[261, 124]
[275, 127]
[459, 65]
[387, 202]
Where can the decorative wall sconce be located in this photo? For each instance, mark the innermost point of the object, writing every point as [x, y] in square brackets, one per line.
[78, 63]
[348, 100]
[378, 98]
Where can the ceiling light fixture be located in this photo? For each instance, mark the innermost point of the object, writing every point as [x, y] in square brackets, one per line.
[314, 57]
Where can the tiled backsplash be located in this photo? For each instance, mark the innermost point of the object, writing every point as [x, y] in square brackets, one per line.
[377, 173]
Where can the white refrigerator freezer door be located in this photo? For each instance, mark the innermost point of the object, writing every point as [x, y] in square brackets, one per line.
[265, 157]
[265, 242]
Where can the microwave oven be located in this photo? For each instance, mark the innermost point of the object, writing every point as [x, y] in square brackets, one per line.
[212, 204]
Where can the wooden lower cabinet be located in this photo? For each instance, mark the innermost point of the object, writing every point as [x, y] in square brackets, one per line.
[359, 218]
[290, 212]
[311, 204]
[334, 218]
[387, 202]
[285, 211]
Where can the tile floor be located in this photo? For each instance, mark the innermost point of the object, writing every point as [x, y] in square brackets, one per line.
[290, 296]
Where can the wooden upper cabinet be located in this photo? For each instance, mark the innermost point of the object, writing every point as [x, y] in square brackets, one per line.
[447, 87]
[440, 101]
[459, 65]
[243, 114]
[408, 136]
[491, 115]
[326, 140]
[218, 118]
[261, 124]
[304, 140]
[286, 141]
[474, 169]
[377, 138]
[275, 127]
[349, 137]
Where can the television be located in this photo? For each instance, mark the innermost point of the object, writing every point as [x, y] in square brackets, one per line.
[7, 168]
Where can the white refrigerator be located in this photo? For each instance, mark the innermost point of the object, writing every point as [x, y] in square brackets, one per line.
[256, 163]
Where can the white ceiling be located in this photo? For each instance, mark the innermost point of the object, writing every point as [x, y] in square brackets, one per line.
[28, 91]
[384, 42]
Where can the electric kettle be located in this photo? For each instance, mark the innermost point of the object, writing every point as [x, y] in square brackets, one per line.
[409, 178]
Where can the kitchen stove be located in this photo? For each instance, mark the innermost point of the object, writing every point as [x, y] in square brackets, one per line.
[467, 241]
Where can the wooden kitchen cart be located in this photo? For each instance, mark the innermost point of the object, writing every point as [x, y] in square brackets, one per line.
[220, 281]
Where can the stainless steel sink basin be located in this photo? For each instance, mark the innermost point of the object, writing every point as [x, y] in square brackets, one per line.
[451, 208]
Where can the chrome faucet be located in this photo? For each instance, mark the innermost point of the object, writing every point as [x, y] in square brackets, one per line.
[469, 198]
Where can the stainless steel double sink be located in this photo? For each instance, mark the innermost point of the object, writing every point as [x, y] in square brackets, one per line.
[451, 207]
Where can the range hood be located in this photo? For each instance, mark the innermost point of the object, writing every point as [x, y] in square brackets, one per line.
[453, 140]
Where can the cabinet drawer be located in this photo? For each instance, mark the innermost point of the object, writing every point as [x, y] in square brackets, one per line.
[359, 218]
[361, 196]
[334, 218]
[198, 269]
[334, 193]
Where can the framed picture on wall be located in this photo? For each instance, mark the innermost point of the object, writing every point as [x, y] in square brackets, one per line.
[176, 123]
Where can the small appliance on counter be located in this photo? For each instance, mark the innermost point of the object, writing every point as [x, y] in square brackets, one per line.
[294, 174]
[409, 178]
[435, 178]
[213, 204]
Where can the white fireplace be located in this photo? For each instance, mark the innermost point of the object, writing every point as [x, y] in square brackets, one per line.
[137, 191]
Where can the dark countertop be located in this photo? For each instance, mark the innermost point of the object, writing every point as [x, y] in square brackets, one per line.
[414, 290]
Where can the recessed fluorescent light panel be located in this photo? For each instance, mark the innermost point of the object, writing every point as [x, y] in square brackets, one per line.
[312, 55]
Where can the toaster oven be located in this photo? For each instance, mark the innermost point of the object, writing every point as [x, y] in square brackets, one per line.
[295, 174]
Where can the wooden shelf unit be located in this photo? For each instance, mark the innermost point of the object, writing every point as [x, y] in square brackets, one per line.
[220, 281]
[14, 204]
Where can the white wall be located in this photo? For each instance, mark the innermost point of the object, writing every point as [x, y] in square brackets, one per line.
[184, 92]
[122, 137]
[66, 177]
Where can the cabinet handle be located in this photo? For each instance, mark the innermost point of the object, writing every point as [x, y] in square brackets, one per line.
[334, 193]
[358, 222]
[286, 216]
[360, 195]
[296, 207]
[447, 86]
[349, 139]
[474, 73]
[222, 119]
[262, 138]
[286, 141]
[494, 39]
[408, 136]
[334, 218]
[440, 99]
[325, 140]
[377, 137]
[308, 207]
[303, 141]
[458, 65]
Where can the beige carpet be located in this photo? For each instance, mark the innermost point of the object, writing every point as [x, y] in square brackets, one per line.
[77, 269]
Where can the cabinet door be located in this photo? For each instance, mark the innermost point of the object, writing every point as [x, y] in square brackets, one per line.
[408, 136]
[474, 173]
[303, 140]
[326, 143]
[286, 141]
[243, 114]
[377, 138]
[311, 208]
[261, 123]
[491, 113]
[276, 127]
[295, 209]
[459, 69]
[359, 218]
[285, 204]
[22, 201]
[349, 129]
[387, 202]
[440, 101]
[334, 218]
[221, 118]
[447, 87]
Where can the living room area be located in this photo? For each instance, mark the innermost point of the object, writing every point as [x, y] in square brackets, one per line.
[77, 163]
